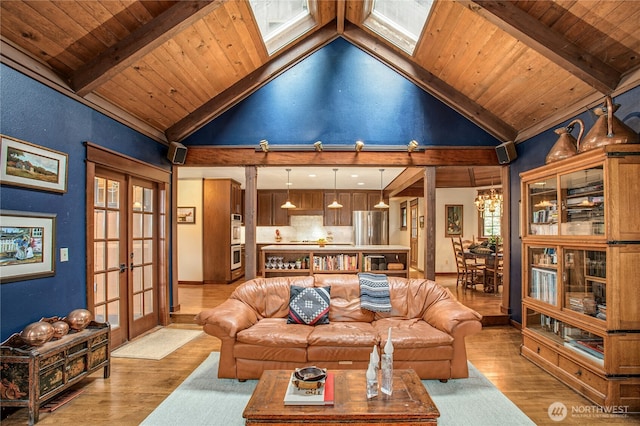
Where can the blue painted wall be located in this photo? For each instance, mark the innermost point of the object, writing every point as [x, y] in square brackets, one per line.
[532, 154]
[338, 95]
[37, 114]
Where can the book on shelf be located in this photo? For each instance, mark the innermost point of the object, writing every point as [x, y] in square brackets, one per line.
[588, 352]
[320, 396]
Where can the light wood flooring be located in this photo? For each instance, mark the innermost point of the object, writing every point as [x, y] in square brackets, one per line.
[136, 387]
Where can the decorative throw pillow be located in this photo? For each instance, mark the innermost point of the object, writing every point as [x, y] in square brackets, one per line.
[309, 305]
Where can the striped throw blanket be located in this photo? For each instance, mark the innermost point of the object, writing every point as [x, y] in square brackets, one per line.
[374, 292]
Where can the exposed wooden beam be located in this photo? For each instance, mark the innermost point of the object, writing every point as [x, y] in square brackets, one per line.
[404, 180]
[547, 42]
[139, 43]
[258, 78]
[341, 8]
[209, 156]
[430, 83]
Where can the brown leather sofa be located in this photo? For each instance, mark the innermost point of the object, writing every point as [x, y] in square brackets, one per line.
[428, 328]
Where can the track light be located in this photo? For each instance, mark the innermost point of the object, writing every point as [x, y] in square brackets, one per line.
[359, 146]
[413, 144]
[264, 145]
[318, 146]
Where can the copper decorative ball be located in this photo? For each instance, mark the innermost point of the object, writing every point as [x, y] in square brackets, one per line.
[37, 333]
[78, 319]
[61, 328]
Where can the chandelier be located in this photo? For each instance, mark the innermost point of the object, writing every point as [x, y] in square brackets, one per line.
[491, 201]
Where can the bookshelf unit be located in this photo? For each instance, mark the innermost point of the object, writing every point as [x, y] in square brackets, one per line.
[286, 260]
[580, 256]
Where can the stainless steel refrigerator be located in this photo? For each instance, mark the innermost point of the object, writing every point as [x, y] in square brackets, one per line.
[370, 227]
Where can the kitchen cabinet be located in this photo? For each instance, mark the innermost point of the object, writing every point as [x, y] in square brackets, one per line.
[219, 199]
[307, 200]
[337, 217]
[581, 248]
[269, 211]
[32, 375]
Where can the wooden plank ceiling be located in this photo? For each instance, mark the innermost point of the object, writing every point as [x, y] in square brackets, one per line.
[166, 68]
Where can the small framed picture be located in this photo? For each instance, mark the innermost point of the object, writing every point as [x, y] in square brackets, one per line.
[453, 216]
[27, 242]
[187, 215]
[32, 166]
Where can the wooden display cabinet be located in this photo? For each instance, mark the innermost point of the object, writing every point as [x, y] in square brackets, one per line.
[580, 257]
[32, 375]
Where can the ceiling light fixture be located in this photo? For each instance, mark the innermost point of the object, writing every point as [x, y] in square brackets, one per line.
[381, 204]
[335, 204]
[264, 145]
[413, 144]
[493, 198]
[359, 146]
[288, 204]
[318, 146]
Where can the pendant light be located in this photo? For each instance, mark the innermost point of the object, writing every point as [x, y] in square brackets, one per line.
[381, 204]
[288, 204]
[335, 204]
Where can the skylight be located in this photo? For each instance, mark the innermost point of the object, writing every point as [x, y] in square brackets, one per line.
[282, 21]
[399, 21]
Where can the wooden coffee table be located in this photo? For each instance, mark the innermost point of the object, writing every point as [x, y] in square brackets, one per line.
[408, 405]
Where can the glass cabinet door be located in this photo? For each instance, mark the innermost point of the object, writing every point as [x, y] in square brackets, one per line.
[584, 279]
[543, 276]
[583, 343]
[543, 207]
[582, 202]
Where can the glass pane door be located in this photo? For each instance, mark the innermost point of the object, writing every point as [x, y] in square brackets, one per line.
[109, 255]
[143, 257]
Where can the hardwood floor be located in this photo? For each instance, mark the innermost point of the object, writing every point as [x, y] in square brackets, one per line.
[136, 387]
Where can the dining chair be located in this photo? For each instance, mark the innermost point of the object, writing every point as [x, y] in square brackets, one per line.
[469, 272]
[494, 271]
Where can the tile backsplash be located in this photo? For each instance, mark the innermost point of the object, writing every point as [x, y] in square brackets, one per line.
[304, 228]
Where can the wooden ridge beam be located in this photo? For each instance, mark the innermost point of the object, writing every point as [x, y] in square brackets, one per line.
[547, 42]
[209, 156]
[249, 84]
[139, 43]
[430, 83]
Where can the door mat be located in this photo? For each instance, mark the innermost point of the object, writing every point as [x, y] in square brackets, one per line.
[156, 345]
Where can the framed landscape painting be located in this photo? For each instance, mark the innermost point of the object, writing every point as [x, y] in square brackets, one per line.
[32, 166]
[187, 215]
[27, 242]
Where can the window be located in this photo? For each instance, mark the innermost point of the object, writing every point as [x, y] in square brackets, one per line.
[490, 219]
[282, 21]
[399, 21]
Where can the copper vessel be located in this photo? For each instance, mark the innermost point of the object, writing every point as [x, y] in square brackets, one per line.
[78, 319]
[566, 146]
[608, 129]
[60, 329]
[37, 333]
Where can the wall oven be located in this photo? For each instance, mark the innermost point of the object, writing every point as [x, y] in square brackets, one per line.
[236, 229]
[236, 256]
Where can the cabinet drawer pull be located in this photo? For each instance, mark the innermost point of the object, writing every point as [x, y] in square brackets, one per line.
[538, 350]
[579, 373]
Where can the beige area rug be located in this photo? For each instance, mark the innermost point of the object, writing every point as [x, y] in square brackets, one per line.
[156, 345]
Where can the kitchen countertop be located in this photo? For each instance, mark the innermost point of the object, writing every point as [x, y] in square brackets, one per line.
[282, 243]
[333, 247]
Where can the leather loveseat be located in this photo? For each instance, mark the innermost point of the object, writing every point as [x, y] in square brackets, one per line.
[428, 328]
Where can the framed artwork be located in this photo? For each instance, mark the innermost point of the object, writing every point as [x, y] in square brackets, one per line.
[453, 216]
[27, 242]
[187, 215]
[32, 166]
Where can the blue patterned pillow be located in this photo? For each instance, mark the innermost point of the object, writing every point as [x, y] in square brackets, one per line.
[309, 305]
